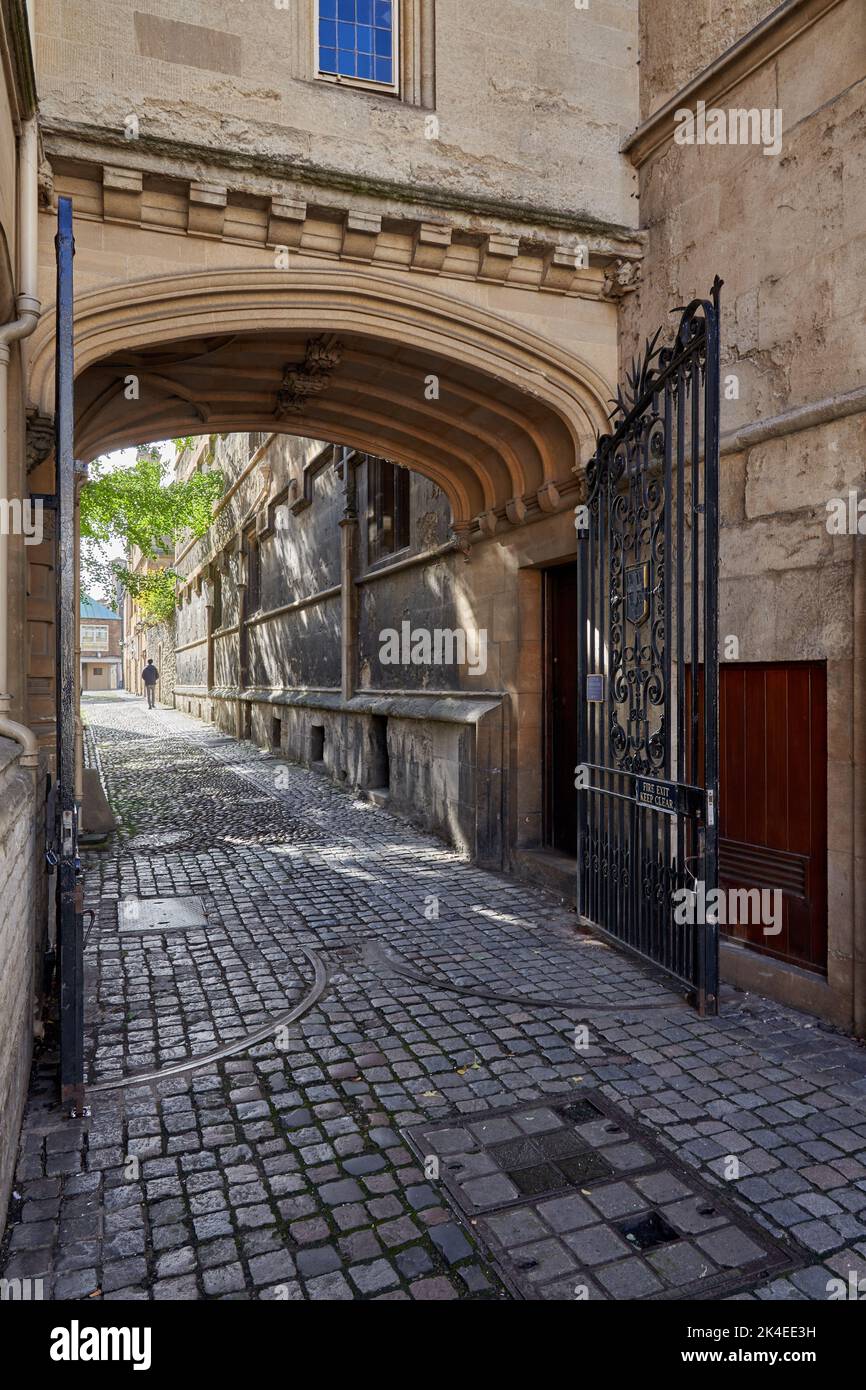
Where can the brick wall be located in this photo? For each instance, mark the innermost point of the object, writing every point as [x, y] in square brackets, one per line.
[18, 903]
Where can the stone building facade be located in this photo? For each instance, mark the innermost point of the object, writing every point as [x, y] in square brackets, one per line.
[23, 882]
[445, 266]
[425, 271]
[143, 638]
[785, 230]
[397, 660]
[100, 643]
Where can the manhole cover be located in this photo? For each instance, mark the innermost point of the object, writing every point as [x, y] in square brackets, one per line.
[573, 1199]
[159, 915]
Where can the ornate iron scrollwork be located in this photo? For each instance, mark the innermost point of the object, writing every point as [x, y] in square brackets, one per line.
[648, 651]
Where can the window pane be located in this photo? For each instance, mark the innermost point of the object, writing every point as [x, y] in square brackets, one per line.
[402, 526]
[356, 39]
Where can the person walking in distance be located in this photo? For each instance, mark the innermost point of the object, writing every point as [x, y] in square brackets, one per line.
[150, 676]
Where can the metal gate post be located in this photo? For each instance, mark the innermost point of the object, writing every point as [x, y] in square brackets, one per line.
[69, 914]
[709, 986]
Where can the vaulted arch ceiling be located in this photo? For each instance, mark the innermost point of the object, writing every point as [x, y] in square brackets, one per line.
[494, 414]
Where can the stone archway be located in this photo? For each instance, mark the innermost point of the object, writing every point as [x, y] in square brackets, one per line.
[497, 415]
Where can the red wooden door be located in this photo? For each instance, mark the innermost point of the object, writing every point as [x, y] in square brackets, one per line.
[773, 800]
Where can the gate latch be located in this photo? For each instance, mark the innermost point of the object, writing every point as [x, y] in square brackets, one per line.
[68, 834]
[711, 808]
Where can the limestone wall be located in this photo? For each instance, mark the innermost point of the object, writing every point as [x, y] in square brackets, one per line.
[533, 97]
[786, 234]
[458, 746]
[18, 914]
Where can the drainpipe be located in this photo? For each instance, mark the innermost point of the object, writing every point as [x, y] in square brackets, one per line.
[27, 308]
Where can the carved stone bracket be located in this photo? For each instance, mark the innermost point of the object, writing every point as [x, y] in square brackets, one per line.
[286, 222]
[549, 499]
[299, 383]
[498, 254]
[621, 278]
[46, 184]
[431, 245]
[40, 440]
[462, 531]
[360, 234]
[207, 209]
[121, 194]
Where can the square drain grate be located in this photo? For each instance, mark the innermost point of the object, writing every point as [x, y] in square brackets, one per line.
[154, 915]
[573, 1199]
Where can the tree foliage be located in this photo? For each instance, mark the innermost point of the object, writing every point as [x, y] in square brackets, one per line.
[154, 591]
[137, 507]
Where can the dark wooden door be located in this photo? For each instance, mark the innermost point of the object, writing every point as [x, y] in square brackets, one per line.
[560, 751]
[773, 800]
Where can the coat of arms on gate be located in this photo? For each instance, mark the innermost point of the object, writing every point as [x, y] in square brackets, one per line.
[637, 593]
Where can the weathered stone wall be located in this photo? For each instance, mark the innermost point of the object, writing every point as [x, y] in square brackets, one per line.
[457, 752]
[533, 99]
[18, 917]
[785, 232]
[678, 38]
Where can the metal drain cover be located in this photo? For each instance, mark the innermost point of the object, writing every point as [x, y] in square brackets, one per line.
[159, 915]
[572, 1199]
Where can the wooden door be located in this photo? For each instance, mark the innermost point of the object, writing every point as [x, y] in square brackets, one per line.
[560, 744]
[773, 800]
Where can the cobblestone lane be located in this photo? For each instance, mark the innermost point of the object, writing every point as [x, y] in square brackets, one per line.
[282, 1168]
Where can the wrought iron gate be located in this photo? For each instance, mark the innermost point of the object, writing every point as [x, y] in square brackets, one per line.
[648, 660]
[69, 914]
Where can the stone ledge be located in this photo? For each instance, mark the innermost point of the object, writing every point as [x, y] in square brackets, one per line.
[461, 708]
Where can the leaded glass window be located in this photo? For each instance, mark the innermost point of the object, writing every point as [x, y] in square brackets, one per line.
[357, 39]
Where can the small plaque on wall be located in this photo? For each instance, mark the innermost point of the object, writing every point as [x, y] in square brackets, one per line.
[595, 689]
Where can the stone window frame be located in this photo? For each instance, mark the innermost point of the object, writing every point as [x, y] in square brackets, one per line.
[402, 518]
[416, 45]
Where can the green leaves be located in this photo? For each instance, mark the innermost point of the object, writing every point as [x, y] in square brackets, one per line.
[153, 591]
[138, 508]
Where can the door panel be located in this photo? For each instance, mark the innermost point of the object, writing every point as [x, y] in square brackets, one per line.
[773, 801]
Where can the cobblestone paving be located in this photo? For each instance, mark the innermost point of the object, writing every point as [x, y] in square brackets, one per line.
[281, 1169]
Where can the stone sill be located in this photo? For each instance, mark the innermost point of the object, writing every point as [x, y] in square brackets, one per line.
[460, 708]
